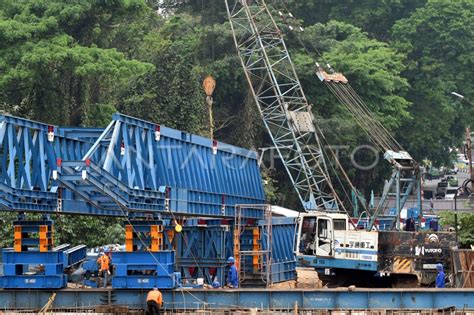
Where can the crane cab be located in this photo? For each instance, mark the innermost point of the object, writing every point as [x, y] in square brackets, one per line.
[317, 231]
[328, 240]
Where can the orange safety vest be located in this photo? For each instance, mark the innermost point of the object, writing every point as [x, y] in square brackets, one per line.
[156, 296]
[104, 262]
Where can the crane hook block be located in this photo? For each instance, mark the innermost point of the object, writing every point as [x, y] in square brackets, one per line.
[334, 77]
[209, 84]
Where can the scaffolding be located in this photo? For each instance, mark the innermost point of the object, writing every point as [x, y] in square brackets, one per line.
[253, 246]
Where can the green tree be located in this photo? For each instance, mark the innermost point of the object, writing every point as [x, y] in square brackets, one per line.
[6, 229]
[465, 225]
[51, 68]
[89, 230]
[172, 94]
[376, 17]
[65, 62]
[437, 39]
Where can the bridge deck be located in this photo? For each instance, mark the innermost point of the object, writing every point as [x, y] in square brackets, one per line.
[270, 299]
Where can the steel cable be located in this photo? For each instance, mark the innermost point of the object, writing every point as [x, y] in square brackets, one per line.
[365, 120]
[348, 97]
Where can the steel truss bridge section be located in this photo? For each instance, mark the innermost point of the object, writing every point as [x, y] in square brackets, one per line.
[132, 166]
[134, 169]
[152, 168]
[241, 299]
[281, 101]
[29, 152]
[203, 248]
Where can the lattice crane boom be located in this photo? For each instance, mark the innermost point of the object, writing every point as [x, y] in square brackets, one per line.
[281, 101]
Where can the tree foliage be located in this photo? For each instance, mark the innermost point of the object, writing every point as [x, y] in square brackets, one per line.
[437, 40]
[89, 230]
[172, 93]
[55, 63]
[465, 226]
[374, 16]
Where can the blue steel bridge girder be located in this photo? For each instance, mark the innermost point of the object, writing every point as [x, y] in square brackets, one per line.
[404, 300]
[203, 251]
[28, 154]
[282, 265]
[133, 169]
[202, 248]
[151, 168]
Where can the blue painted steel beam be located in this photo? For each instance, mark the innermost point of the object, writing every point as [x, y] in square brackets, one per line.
[202, 251]
[75, 255]
[17, 264]
[140, 162]
[159, 265]
[319, 299]
[80, 133]
[184, 136]
[28, 159]
[283, 260]
[151, 168]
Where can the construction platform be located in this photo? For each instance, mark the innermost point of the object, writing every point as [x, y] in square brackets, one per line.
[245, 299]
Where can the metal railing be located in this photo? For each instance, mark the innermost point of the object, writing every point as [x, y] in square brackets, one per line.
[463, 204]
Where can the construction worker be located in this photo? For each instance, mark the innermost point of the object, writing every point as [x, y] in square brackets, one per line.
[440, 278]
[104, 268]
[233, 275]
[216, 284]
[410, 225]
[154, 302]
